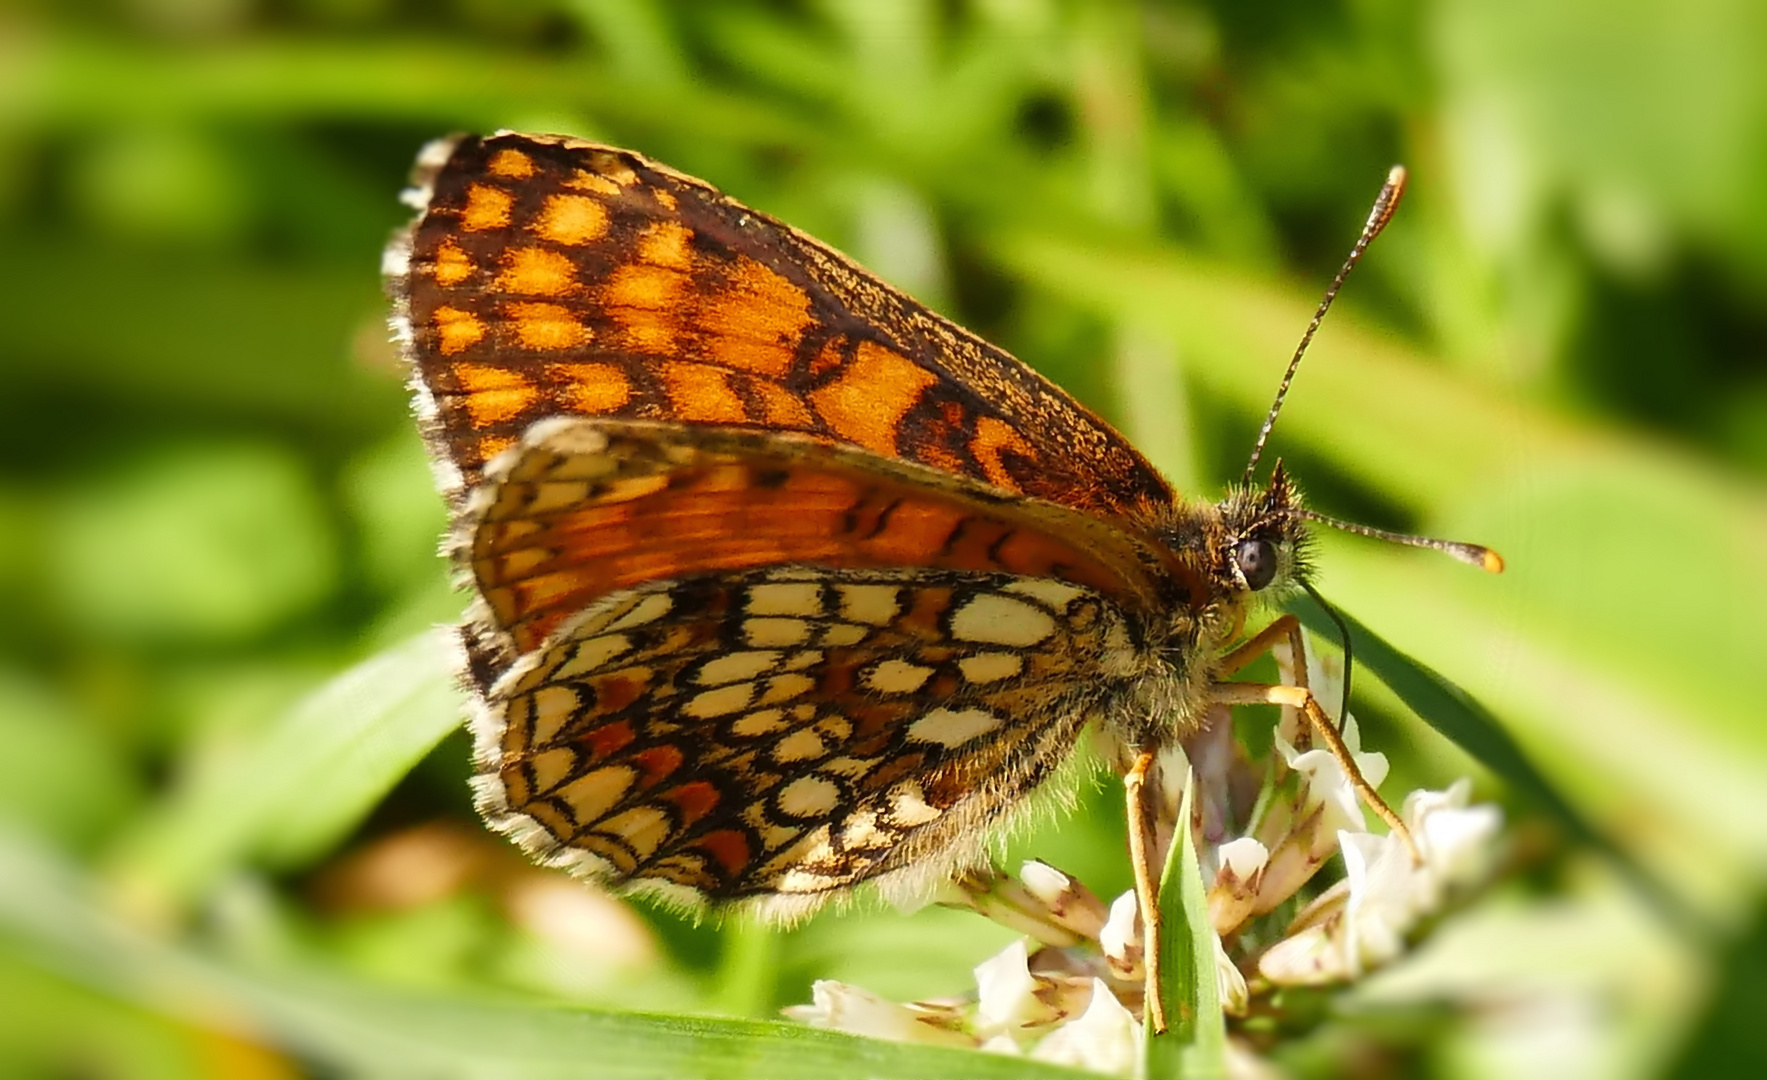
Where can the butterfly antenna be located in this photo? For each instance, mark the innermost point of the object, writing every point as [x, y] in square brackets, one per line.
[1472, 554]
[1384, 205]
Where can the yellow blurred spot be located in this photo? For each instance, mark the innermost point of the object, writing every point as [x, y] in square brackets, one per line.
[643, 299]
[536, 272]
[494, 394]
[698, 392]
[458, 330]
[486, 208]
[584, 180]
[511, 164]
[452, 264]
[666, 244]
[549, 327]
[571, 220]
[590, 388]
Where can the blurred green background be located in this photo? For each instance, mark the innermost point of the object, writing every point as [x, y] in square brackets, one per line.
[212, 499]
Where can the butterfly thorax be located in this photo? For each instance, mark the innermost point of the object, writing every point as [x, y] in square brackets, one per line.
[1247, 551]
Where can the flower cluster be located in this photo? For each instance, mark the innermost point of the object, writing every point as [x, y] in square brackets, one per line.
[1263, 831]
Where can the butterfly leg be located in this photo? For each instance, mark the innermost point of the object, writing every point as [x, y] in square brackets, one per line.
[1300, 696]
[1141, 845]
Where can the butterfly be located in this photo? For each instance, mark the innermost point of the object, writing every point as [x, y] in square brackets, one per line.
[781, 582]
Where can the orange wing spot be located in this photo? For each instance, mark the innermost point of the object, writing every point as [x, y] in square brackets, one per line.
[589, 388]
[608, 739]
[537, 272]
[547, 327]
[780, 408]
[667, 244]
[729, 847]
[867, 403]
[644, 300]
[571, 220]
[658, 762]
[991, 437]
[511, 164]
[584, 180]
[492, 445]
[487, 207]
[452, 264]
[640, 285]
[458, 330]
[692, 801]
[493, 394]
[755, 321]
[700, 393]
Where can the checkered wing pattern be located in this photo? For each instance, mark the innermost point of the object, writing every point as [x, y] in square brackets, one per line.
[724, 664]
[781, 581]
[548, 276]
[787, 733]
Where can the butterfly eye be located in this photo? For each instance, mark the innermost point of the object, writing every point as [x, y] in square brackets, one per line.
[1257, 562]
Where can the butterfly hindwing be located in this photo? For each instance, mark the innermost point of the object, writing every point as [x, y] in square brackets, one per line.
[791, 732]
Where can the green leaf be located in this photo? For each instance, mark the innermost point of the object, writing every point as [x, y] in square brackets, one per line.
[1470, 726]
[1196, 1046]
[49, 919]
[308, 778]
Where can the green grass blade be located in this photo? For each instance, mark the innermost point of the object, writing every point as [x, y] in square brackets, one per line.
[1196, 1045]
[50, 919]
[308, 778]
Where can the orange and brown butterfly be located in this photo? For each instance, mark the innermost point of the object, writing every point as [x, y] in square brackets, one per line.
[782, 582]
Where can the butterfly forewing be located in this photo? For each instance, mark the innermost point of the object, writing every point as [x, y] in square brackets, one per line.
[548, 276]
[790, 732]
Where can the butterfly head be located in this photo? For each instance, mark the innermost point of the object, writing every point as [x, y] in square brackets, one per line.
[1262, 542]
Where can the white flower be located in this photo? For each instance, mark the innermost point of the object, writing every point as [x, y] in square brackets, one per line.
[1229, 983]
[840, 1007]
[1382, 904]
[1008, 1000]
[1362, 921]
[1454, 837]
[1233, 897]
[1105, 1038]
[1121, 938]
[1327, 783]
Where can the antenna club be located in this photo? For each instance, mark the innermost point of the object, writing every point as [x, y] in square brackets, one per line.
[1491, 562]
[1384, 204]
